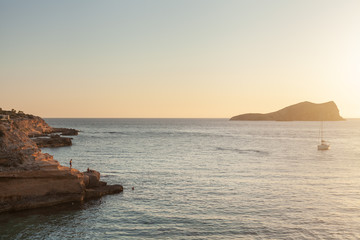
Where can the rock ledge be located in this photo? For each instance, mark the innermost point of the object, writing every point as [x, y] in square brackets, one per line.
[31, 179]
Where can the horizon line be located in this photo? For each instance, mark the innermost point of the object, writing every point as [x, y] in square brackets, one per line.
[169, 118]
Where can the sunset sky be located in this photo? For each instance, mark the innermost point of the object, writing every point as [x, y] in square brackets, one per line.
[189, 58]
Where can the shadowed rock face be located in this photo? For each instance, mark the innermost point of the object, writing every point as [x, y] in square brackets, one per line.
[25, 189]
[31, 179]
[96, 188]
[53, 141]
[304, 111]
[66, 131]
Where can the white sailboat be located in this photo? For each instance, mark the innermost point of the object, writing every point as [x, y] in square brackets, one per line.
[323, 144]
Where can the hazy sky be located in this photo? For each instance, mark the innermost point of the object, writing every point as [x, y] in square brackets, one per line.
[163, 58]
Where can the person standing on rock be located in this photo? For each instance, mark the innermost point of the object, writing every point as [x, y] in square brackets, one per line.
[70, 163]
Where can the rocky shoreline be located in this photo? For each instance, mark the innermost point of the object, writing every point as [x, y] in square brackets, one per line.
[54, 137]
[32, 179]
[51, 141]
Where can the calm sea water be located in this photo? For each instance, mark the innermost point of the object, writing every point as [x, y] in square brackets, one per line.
[206, 179]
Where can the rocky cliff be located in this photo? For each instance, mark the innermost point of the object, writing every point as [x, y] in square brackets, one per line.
[40, 132]
[32, 125]
[30, 178]
[304, 111]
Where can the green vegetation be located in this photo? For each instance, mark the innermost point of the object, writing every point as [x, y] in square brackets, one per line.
[13, 114]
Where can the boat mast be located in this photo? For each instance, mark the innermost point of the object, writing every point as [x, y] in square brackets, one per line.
[321, 131]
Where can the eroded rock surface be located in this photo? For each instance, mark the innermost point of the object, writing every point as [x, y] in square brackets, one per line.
[31, 179]
[96, 188]
[36, 128]
[53, 140]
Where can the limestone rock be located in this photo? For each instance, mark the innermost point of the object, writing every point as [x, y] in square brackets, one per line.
[66, 131]
[30, 178]
[39, 188]
[92, 178]
[32, 126]
[36, 128]
[17, 148]
[52, 141]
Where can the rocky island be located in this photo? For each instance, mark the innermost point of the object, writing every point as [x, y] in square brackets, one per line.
[30, 178]
[304, 111]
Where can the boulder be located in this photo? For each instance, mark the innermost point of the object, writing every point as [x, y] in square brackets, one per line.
[92, 178]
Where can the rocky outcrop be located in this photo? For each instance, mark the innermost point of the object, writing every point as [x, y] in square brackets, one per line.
[304, 111]
[30, 178]
[92, 178]
[36, 128]
[18, 150]
[66, 131]
[32, 125]
[96, 188]
[54, 140]
[25, 189]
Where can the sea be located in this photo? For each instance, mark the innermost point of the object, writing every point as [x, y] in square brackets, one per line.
[206, 179]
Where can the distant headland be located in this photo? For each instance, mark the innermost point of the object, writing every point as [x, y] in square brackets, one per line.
[304, 111]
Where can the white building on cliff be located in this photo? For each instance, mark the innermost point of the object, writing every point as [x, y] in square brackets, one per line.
[4, 117]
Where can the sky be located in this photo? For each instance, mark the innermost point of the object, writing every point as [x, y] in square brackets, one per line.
[177, 59]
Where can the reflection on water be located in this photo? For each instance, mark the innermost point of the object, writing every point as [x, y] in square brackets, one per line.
[48, 222]
[206, 179]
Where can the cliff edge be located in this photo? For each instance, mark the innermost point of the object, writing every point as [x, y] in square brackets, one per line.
[304, 111]
[31, 179]
[38, 130]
